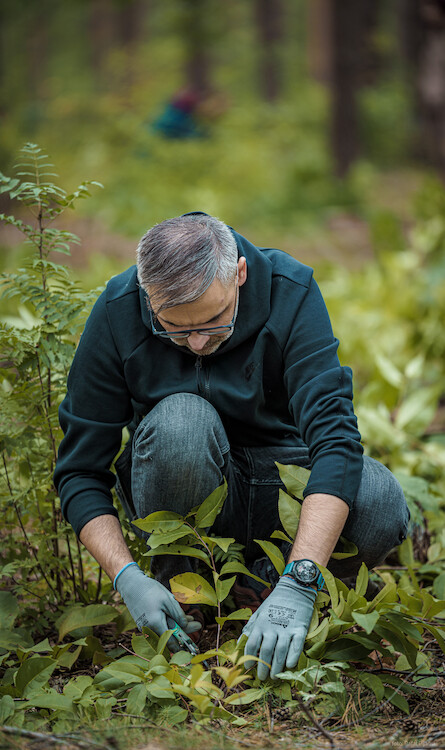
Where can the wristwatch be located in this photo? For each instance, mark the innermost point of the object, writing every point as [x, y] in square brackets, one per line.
[304, 572]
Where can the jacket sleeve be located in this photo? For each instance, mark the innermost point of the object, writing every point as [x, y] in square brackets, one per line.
[95, 410]
[320, 400]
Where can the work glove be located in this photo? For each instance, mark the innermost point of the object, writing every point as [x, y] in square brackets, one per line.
[150, 603]
[277, 630]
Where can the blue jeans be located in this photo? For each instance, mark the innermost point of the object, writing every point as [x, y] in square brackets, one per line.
[180, 453]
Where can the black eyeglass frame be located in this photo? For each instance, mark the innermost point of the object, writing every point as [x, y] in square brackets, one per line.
[212, 331]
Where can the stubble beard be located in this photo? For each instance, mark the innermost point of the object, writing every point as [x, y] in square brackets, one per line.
[209, 348]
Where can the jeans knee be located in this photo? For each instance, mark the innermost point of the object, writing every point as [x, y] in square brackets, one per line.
[178, 429]
[379, 519]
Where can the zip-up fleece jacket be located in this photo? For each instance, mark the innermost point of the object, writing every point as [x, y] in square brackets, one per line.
[276, 381]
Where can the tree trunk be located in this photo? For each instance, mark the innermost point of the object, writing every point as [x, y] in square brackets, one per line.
[101, 36]
[345, 34]
[196, 46]
[269, 22]
[431, 83]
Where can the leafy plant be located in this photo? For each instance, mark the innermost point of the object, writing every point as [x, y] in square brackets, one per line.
[37, 347]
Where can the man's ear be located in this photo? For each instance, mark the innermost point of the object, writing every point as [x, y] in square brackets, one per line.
[242, 271]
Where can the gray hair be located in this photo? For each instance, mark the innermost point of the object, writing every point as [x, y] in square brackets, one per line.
[179, 258]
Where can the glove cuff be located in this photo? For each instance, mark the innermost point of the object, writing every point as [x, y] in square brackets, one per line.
[121, 571]
[291, 583]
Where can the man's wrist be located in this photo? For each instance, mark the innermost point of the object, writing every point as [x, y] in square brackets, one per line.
[305, 572]
[291, 578]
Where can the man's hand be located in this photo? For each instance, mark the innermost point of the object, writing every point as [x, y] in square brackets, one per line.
[149, 604]
[277, 630]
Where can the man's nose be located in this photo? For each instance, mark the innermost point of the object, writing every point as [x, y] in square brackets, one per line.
[197, 341]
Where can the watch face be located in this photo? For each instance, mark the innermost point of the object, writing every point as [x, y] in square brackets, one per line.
[306, 571]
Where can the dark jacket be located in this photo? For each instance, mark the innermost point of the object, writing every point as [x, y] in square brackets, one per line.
[276, 382]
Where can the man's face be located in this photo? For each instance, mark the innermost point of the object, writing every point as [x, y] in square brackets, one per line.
[216, 307]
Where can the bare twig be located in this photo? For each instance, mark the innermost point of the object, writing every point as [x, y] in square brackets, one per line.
[55, 739]
[99, 583]
[212, 560]
[314, 721]
[19, 517]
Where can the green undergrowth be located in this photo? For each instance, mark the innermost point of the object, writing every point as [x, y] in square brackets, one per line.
[351, 641]
[69, 651]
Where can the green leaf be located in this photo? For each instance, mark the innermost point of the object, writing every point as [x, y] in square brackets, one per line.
[345, 649]
[11, 640]
[137, 698]
[80, 617]
[33, 674]
[180, 549]
[9, 609]
[68, 658]
[349, 550]
[388, 370]
[294, 478]
[162, 643]
[417, 410]
[239, 614]
[333, 687]
[166, 537]
[172, 715]
[52, 700]
[402, 623]
[362, 581]
[387, 594]
[438, 634]
[247, 696]
[367, 622]
[220, 541]
[274, 554]
[331, 585]
[181, 658]
[7, 709]
[191, 588]
[397, 700]
[209, 509]
[372, 682]
[406, 553]
[223, 587]
[161, 521]
[160, 687]
[142, 647]
[281, 535]
[289, 511]
[237, 567]
[397, 639]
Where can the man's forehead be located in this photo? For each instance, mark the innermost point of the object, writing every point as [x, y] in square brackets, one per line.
[204, 310]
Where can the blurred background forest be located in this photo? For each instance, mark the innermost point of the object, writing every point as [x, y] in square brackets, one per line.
[307, 125]
[315, 126]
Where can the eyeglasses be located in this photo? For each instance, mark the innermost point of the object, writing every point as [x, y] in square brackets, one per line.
[213, 331]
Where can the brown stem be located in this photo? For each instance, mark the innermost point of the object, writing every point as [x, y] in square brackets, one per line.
[212, 560]
[27, 541]
[73, 573]
[53, 444]
[99, 583]
[80, 564]
[46, 412]
[52, 738]
[314, 721]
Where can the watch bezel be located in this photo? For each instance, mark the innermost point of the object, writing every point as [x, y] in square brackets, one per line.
[291, 569]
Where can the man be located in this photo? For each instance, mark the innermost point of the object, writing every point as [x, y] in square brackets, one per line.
[220, 358]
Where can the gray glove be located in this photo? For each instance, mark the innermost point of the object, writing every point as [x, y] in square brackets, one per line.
[277, 630]
[149, 604]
